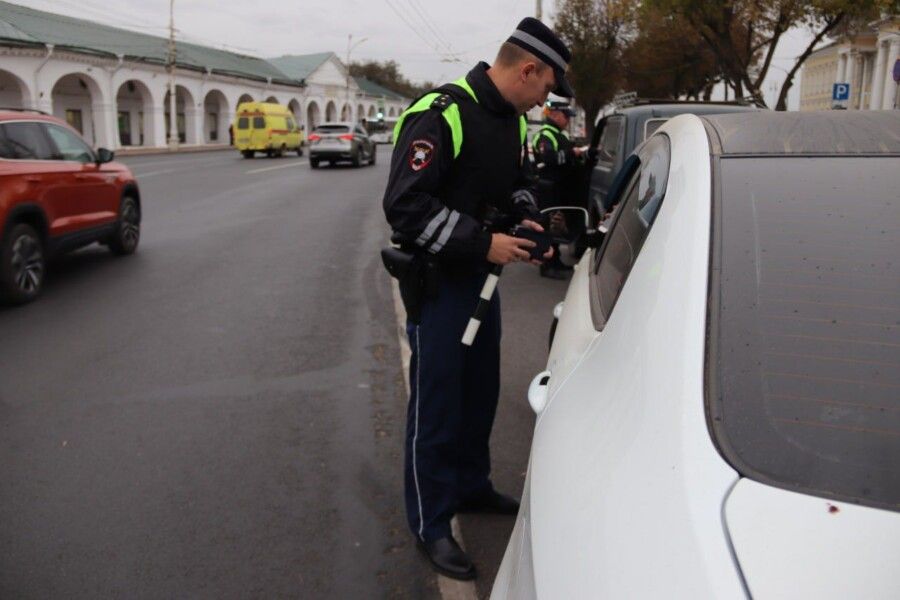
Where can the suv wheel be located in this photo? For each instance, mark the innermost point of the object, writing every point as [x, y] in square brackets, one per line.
[300, 150]
[313, 163]
[22, 265]
[357, 160]
[128, 230]
[248, 153]
[374, 152]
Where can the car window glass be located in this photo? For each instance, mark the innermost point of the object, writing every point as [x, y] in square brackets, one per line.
[27, 141]
[290, 124]
[332, 129]
[609, 140]
[636, 214]
[243, 123]
[68, 145]
[259, 122]
[651, 125]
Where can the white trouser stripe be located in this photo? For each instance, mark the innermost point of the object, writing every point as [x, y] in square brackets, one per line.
[416, 436]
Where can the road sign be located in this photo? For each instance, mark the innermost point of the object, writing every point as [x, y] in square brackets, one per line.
[841, 91]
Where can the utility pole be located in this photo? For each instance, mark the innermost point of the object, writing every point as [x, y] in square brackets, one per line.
[538, 10]
[173, 116]
[347, 64]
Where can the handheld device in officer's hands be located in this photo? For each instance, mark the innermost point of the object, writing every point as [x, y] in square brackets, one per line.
[540, 238]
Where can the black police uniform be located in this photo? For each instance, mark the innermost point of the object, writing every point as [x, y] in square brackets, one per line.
[557, 165]
[438, 204]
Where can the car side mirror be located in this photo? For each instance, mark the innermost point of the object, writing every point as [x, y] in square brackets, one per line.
[565, 224]
[104, 155]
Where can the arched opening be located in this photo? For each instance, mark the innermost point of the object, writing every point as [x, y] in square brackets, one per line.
[296, 110]
[330, 112]
[215, 118]
[391, 112]
[77, 99]
[272, 99]
[185, 115]
[372, 111]
[360, 113]
[134, 114]
[13, 91]
[346, 113]
[244, 98]
[313, 116]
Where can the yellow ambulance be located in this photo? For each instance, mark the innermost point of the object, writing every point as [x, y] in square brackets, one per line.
[266, 127]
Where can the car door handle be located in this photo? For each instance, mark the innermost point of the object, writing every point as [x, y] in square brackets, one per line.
[537, 392]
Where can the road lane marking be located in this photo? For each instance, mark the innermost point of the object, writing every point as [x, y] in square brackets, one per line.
[152, 173]
[263, 170]
[449, 589]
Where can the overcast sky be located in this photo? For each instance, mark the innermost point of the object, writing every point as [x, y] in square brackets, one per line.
[434, 41]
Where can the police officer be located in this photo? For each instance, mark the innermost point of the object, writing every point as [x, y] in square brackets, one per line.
[558, 161]
[460, 156]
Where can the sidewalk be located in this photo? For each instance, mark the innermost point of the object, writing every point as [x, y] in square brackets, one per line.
[141, 150]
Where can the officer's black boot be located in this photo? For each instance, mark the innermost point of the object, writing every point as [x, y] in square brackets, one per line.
[448, 558]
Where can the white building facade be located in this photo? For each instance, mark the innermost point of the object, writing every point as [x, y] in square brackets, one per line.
[864, 61]
[121, 100]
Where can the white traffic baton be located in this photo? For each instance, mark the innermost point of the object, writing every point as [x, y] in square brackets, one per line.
[484, 301]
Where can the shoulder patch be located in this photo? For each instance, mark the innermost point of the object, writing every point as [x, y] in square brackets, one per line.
[421, 152]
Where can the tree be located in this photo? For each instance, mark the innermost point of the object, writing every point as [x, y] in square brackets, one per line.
[669, 59]
[387, 74]
[743, 34]
[596, 32]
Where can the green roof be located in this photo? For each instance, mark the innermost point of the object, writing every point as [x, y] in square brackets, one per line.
[371, 88]
[25, 26]
[301, 66]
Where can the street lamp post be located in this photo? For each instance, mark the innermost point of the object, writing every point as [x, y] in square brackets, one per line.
[173, 118]
[350, 47]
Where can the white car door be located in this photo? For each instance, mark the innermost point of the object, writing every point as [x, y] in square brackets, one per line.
[625, 486]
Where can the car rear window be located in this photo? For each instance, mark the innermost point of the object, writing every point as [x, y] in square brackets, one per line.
[332, 129]
[243, 123]
[24, 141]
[805, 357]
[259, 122]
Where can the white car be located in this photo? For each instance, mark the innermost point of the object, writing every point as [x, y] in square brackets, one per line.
[720, 414]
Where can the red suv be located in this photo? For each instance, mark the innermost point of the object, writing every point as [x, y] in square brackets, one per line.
[57, 194]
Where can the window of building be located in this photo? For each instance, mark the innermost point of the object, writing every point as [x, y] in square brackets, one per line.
[73, 118]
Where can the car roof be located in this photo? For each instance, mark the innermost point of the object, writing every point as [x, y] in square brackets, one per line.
[332, 123]
[671, 109]
[9, 114]
[805, 133]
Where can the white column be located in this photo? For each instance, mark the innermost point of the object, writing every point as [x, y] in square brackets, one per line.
[103, 115]
[890, 86]
[841, 68]
[878, 78]
[193, 125]
[864, 63]
[157, 127]
[849, 72]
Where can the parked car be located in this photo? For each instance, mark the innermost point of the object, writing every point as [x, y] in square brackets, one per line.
[266, 127]
[620, 131]
[340, 142]
[720, 415]
[57, 194]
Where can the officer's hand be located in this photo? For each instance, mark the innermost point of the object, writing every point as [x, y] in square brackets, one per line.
[531, 225]
[506, 248]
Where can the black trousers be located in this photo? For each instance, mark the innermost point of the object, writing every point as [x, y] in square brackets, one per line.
[453, 400]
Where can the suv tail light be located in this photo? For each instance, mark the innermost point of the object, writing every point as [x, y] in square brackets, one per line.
[346, 136]
[314, 137]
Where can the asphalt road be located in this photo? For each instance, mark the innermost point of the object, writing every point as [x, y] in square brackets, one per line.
[221, 415]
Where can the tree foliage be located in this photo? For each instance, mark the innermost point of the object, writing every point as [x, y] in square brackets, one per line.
[388, 74]
[743, 34]
[596, 31]
[668, 59]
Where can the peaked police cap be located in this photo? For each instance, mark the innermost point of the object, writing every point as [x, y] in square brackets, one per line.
[535, 37]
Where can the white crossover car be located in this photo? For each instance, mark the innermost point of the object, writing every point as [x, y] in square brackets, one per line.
[720, 414]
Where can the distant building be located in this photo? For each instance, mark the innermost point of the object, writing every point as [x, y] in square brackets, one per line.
[864, 61]
[112, 84]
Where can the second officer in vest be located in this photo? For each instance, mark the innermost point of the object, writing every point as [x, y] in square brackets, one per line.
[459, 156]
[559, 167]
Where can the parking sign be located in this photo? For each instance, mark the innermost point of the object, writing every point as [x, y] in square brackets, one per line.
[841, 91]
